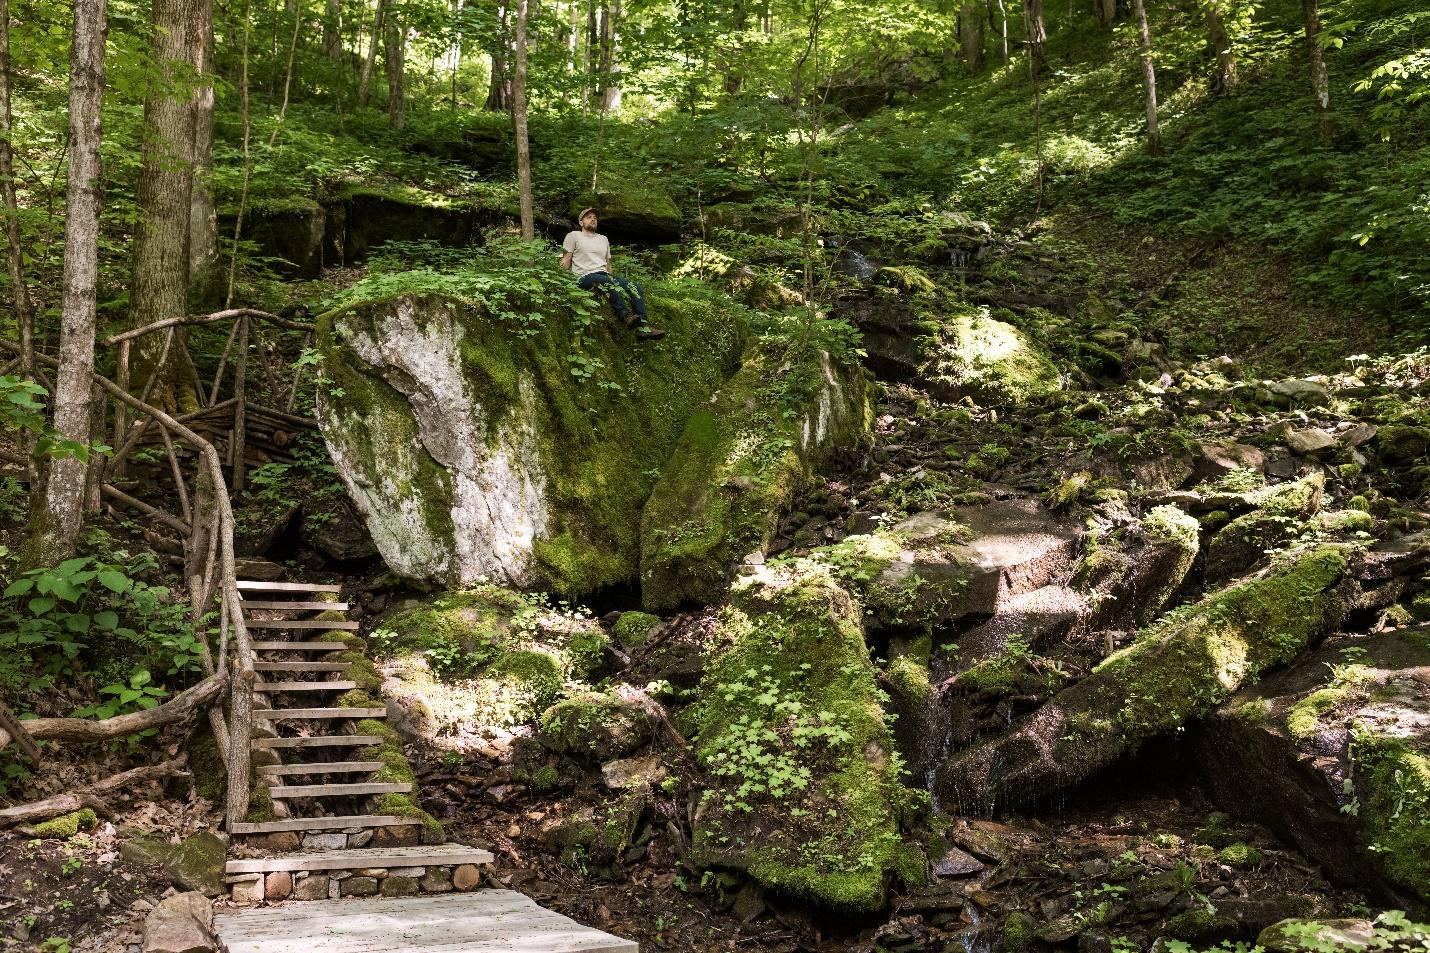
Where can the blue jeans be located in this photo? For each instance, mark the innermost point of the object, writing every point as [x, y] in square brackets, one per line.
[620, 290]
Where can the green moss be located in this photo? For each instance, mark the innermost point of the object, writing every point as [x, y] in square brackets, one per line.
[537, 672]
[1278, 517]
[361, 670]
[385, 732]
[545, 778]
[1304, 716]
[1167, 524]
[1240, 854]
[1346, 521]
[357, 698]
[1199, 925]
[402, 805]
[260, 805]
[1393, 783]
[67, 825]
[993, 362]
[207, 766]
[1019, 932]
[908, 672]
[633, 628]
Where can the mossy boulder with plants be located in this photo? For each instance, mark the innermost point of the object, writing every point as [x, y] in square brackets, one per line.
[1180, 668]
[635, 209]
[595, 727]
[791, 724]
[289, 229]
[1278, 516]
[977, 356]
[1333, 754]
[740, 464]
[484, 657]
[362, 216]
[492, 425]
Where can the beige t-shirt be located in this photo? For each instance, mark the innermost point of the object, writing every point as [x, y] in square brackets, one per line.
[588, 252]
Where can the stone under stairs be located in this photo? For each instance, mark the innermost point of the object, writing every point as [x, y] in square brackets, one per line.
[320, 757]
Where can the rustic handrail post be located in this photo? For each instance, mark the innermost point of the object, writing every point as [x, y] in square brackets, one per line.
[121, 410]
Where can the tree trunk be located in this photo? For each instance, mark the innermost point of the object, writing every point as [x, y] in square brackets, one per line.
[204, 272]
[58, 527]
[499, 90]
[19, 298]
[518, 112]
[159, 287]
[1106, 12]
[1223, 76]
[1149, 77]
[970, 33]
[369, 65]
[333, 30]
[1037, 37]
[1003, 29]
[1320, 82]
[394, 55]
[610, 79]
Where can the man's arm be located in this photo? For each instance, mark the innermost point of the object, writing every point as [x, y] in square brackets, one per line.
[566, 261]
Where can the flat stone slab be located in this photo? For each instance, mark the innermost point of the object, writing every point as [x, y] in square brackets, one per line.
[434, 856]
[486, 921]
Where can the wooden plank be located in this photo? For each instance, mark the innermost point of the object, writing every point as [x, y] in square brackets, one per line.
[301, 624]
[320, 767]
[252, 585]
[340, 790]
[484, 921]
[338, 822]
[435, 855]
[302, 666]
[271, 687]
[299, 646]
[280, 714]
[316, 741]
[296, 606]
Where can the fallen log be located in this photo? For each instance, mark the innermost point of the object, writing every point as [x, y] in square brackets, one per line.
[90, 795]
[88, 729]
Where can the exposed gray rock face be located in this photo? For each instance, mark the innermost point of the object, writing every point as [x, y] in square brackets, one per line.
[182, 923]
[1318, 751]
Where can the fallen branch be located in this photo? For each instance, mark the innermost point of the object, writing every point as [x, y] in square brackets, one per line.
[13, 726]
[89, 795]
[88, 729]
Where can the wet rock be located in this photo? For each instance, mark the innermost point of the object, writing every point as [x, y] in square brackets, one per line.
[1130, 576]
[1178, 670]
[749, 903]
[197, 863]
[182, 923]
[957, 863]
[1329, 754]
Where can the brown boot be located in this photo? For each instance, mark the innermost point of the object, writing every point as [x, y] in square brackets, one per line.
[647, 333]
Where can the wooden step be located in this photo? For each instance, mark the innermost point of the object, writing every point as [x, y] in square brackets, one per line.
[316, 741]
[340, 790]
[299, 646]
[300, 624]
[336, 823]
[269, 688]
[436, 855]
[281, 714]
[253, 585]
[302, 666]
[322, 767]
[296, 606]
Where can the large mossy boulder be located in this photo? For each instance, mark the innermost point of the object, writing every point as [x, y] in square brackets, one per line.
[632, 209]
[740, 463]
[1334, 754]
[363, 216]
[515, 445]
[1278, 516]
[807, 799]
[288, 230]
[1179, 669]
[989, 361]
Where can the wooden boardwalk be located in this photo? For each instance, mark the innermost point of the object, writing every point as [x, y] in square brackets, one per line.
[486, 921]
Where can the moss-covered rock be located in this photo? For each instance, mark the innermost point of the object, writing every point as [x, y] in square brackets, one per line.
[633, 628]
[632, 209]
[595, 727]
[990, 361]
[483, 448]
[807, 798]
[1131, 574]
[362, 216]
[289, 230]
[1280, 512]
[1181, 668]
[197, 863]
[739, 465]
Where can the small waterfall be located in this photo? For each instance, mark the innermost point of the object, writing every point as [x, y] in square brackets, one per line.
[856, 264]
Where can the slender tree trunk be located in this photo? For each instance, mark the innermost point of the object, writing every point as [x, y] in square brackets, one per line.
[369, 65]
[57, 529]
[1223, 77]
[394, 54]
[1320, 82]
[159, 287]
[518, 112]
[203, 217]
[333, 30]
[610, 64]
[499, 90]
[970, 33]
[1003, 29]
[591, 60]
[1037, 37]
[19, 297]
[1149, 77]
[288, 73]
[1106, 12]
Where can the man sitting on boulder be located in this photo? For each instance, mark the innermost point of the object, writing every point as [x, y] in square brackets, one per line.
[588, 255]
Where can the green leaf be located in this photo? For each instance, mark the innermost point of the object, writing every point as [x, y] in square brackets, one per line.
[107, 620]
[115, 581]
[19, 587]
[41, 604]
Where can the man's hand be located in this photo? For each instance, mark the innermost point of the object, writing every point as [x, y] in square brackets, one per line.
[566, 261]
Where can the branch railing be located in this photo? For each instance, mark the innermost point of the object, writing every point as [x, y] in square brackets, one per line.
[205, 519]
